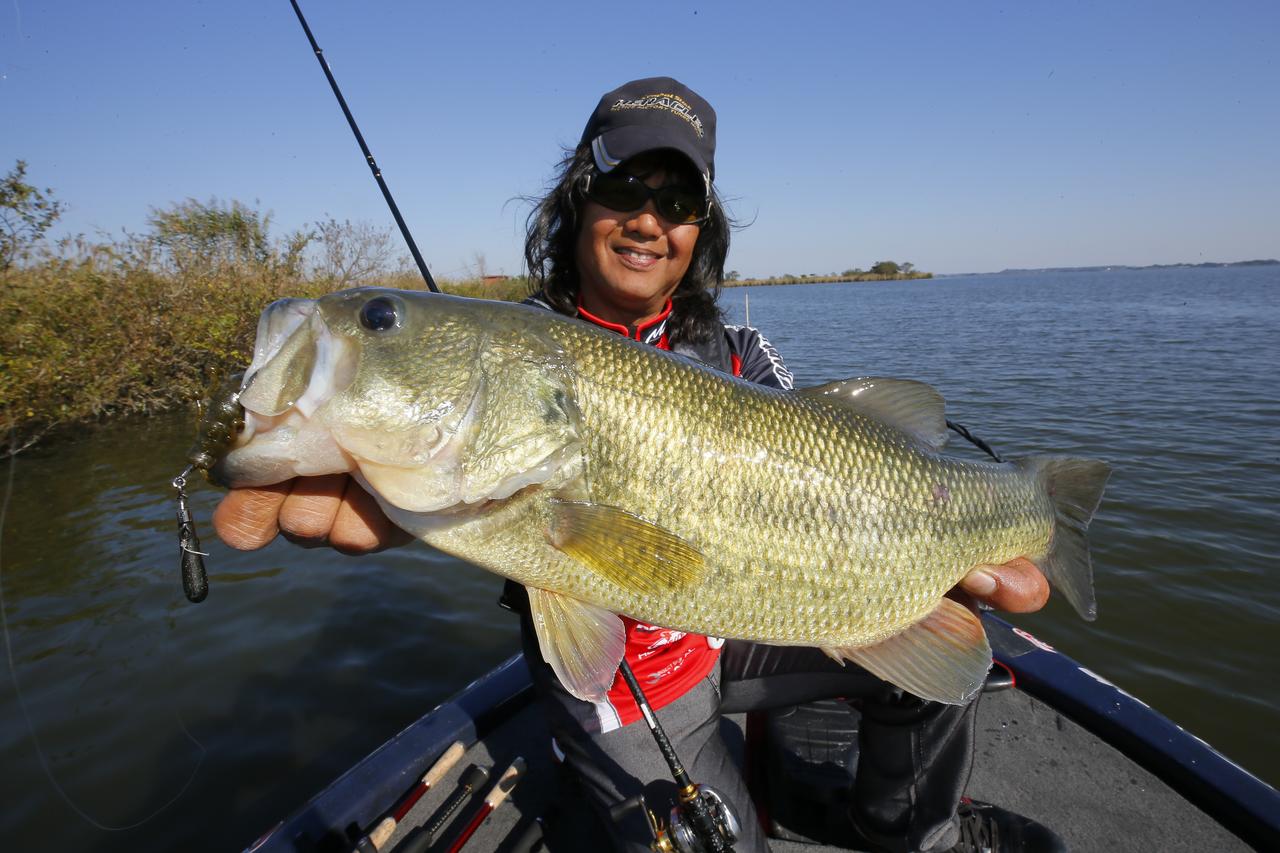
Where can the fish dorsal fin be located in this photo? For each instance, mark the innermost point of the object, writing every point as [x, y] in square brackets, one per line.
[582, 643]
[944, 657]
[625, 549]
[913, 407]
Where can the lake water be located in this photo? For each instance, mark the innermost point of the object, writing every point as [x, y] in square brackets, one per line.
[133, 720]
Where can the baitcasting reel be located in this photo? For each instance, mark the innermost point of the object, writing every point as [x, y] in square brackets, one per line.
[682, 836]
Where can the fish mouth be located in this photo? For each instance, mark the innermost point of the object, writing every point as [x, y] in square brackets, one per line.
[294, 351]
[298, 365]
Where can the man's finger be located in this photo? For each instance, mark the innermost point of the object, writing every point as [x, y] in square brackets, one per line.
[307, 515]
[1015, 587]
[360, 526]
[246, 519]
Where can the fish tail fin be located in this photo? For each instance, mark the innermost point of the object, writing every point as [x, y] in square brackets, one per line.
[1075, 487]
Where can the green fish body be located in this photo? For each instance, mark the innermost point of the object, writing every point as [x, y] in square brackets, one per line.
[610, 477]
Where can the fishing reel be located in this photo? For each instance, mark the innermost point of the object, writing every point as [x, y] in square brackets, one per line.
[683, 835]
[680, 834]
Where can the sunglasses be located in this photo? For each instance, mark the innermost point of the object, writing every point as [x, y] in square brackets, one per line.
[624, 193]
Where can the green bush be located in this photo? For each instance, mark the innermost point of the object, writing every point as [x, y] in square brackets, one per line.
[123, 328]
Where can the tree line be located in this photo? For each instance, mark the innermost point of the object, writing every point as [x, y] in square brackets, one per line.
[879, 271]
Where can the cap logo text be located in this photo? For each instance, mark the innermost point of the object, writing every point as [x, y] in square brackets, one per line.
[673, 104]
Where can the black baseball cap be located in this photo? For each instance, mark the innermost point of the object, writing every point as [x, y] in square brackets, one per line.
[645, 115]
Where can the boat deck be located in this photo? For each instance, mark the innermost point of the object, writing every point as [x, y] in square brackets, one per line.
[1029, 759]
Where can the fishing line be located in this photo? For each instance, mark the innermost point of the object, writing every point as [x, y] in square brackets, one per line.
[26, 715]
[963, 431]
[364, 149]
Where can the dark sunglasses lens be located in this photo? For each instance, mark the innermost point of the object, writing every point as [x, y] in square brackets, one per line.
[618, 192]
[680, 206]
[626, 193]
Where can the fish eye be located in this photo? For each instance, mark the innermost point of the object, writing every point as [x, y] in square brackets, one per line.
[379, 314]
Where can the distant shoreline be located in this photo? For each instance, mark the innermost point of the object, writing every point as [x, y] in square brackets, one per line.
[824, 279]
[1109, 267]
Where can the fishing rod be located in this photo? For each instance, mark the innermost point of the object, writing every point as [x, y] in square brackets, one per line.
[963, 431]
[702, 820]
[368, 156]
[377, 837]
[706, 814]
[195, 579]
[421, 839]
[497, 796]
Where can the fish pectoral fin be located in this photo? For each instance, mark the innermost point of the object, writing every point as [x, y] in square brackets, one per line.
[913, 407]
[630, 552]
[944, 657]
[582, 643]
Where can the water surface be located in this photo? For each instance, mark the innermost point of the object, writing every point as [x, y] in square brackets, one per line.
[301, 661]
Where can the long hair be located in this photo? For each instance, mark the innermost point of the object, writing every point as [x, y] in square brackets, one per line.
[551, 235]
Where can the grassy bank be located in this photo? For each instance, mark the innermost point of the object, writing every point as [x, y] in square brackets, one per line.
[109, 334]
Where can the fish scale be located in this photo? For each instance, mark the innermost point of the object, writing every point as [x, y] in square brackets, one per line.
[871, 585]
[608, 474]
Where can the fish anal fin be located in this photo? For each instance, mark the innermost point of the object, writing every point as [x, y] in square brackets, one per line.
[943, 657]
[630, 552]
[583, 643]
[913, 407]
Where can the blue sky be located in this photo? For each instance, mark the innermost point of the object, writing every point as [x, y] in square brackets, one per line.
[961, 137]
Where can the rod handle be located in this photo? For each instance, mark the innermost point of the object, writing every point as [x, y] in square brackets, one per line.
[379, 834]
[506, 783]
[444, 764]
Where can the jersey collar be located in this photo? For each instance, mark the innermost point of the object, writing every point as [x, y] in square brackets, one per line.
[649, 332]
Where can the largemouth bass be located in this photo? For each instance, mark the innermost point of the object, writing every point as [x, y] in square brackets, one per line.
[610, 477]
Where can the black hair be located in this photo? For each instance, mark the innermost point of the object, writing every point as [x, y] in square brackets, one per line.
[551, 234]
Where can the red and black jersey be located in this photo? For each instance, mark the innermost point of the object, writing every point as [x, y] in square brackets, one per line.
[666, 662]
[741, 351]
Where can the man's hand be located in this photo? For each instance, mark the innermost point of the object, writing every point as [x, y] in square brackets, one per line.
[311, 511]
[1016, 587]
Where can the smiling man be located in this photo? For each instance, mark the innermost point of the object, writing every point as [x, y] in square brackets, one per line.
[633, 238]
